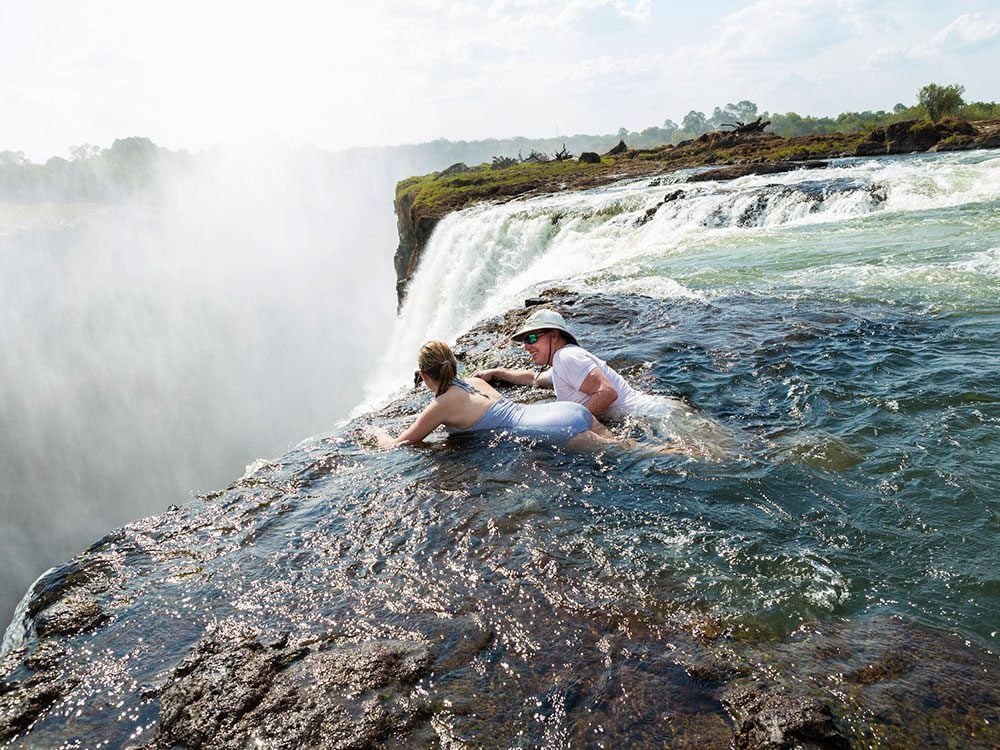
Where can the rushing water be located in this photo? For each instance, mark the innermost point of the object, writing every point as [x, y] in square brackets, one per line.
[841, 324]
[846, 320]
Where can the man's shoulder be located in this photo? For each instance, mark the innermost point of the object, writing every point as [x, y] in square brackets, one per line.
[573, 354]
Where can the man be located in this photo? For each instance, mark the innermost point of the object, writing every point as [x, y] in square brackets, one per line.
[574, 373]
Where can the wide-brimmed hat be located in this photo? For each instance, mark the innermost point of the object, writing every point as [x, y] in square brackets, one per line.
[542, 320]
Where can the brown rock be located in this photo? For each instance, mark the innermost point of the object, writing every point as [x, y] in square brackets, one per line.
[768, 721]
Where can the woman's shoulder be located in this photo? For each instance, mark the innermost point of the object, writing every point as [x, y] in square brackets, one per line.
[483, 387]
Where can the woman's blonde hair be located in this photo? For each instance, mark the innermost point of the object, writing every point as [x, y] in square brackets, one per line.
[437, 361]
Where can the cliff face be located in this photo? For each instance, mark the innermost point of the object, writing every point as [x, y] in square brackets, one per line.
[414, 231]
[422, 201]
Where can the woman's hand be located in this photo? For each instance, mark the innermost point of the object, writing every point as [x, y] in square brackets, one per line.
[382, 437]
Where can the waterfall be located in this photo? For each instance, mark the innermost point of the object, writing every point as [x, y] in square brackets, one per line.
[628, 237]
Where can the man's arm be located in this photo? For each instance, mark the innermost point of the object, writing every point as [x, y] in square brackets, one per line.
[517, 377]
[602, 393]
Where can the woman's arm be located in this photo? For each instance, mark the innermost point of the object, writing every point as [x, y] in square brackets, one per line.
[426, 422]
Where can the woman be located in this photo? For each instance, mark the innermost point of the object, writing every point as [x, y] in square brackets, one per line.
[474, 406]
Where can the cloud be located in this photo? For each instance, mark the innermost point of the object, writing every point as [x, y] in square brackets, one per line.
[889, 56]
[968, 32]
[609, 67]
[780, 30]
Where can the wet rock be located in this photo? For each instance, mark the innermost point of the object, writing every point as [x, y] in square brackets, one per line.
[899, 138]
[75, 613]
[651, 212]
[621, 148]
[706, 666]
[290, 696]
[894, 683]
[46, 656]
[29, 684]
[742, 170]
[767, 721]
[20, 707]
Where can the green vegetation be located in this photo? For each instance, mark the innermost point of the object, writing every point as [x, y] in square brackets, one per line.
[979, 111]
[939, 101]
[439, 193]
[933, 101]
[90, 175]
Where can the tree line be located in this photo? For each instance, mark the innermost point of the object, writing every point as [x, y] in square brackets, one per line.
[92, 174]
[933, 102]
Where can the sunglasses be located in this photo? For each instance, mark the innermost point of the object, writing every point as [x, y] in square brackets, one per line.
[532, 338]
[416, 378]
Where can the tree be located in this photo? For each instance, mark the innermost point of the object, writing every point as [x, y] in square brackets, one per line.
[86, 151]
[12, 159]
[695, 122]
[743, 111]
[941, 100]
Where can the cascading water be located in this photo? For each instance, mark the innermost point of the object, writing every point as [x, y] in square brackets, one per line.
[706, 238]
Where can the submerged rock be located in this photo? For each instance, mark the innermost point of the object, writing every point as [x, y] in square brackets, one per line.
[766, 721]
[343, 597]
[73, 614]
[235, 694]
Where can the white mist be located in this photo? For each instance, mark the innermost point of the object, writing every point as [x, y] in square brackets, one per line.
[152, 350]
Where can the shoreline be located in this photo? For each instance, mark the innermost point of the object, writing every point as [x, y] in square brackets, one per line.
[421, 202]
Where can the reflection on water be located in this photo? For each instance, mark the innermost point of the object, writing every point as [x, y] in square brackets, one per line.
[565, 592]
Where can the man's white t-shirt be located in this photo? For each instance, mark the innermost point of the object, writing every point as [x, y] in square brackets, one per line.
[570, 367]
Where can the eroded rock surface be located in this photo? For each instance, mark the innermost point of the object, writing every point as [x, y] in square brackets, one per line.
[234, 695]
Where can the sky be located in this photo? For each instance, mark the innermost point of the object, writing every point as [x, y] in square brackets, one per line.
[196, 74]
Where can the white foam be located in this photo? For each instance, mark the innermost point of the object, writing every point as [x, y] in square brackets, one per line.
[986, 263]
[488, 258]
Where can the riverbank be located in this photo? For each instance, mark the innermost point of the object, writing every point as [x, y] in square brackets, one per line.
[421, 202]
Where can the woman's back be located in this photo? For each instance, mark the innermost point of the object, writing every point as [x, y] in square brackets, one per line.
[473, 405]
[465, 402]
[558, 421]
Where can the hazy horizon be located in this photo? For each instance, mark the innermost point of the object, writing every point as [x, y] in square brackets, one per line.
[190, 77]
